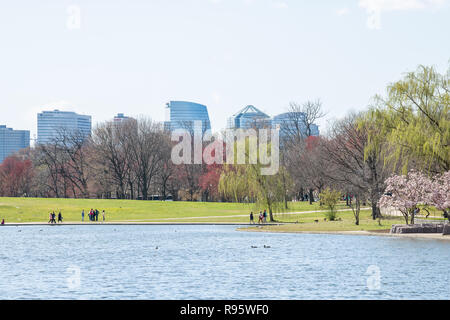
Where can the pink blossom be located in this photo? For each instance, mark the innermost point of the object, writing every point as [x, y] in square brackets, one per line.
[440, 193]
[405, 193]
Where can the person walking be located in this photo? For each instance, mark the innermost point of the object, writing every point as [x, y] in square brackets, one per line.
[53, 217]
[260, 219]
[91, 213]
[60, 217]
[103, 215]
[82, 215]
[50, 218]
[3, 222]
[265, 216]
[251, 218]
[96, 214]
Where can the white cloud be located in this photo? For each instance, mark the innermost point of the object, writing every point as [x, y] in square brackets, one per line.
[374, 8]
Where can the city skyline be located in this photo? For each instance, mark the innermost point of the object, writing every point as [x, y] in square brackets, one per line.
[121, 116]
[224, 54]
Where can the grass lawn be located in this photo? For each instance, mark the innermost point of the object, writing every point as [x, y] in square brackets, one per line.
[306, 223]
[37, 210]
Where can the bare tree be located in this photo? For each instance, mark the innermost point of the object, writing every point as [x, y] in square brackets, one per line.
[306, 164]
[110, 144]
[145, 146]
[302, 118]
[75, 146]
[52, 160]
[361, 173]
[166, 172]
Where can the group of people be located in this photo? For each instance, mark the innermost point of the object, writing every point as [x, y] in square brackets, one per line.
[262, 218]
[52, 217]
[93, 215]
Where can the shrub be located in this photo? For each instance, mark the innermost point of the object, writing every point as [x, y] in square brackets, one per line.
[330, 198]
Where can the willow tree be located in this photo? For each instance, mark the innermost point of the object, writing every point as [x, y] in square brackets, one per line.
[249, 181]
[233, 184]
[246, 183]
[269, 190]
[414, 119]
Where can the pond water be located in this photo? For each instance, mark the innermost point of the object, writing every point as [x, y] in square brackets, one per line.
[215, 262]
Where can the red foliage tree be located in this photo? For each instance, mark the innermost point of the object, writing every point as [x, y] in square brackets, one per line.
[209, 181]
[15, 177]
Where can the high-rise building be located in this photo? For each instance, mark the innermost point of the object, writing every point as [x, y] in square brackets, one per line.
[251, 117]
[182, 114]
[12, 141]
[293, 121]
[248, 117]
[120, 118]
[50, 124]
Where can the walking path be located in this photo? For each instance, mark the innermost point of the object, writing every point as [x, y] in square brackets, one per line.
[159, 221]
[241, 215]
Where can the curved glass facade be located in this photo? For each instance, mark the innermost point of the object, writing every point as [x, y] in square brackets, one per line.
[182, 114]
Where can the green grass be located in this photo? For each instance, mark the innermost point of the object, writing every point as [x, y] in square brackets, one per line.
[37, 209]
[306, 223]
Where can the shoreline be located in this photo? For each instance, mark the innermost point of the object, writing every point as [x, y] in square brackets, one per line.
[428, 236]
[242, 227]
[131, 223]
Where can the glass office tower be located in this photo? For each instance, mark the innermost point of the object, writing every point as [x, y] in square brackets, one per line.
[12, 141]
[248, 117]
[291, 121]
[50, 124]
[182, 114]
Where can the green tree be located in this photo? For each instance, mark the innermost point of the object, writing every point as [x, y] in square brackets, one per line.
[414, 119]
[330, 198]
[247, 182]
[233, 184]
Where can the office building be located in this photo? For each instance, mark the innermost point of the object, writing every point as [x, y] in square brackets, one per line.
[182, 114]
[120, 118]
[251, 117]
[248, 117]
[293, 121]
[50, 124]
[12, 141]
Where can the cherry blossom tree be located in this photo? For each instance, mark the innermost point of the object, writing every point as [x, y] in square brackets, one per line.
[440, 193]
[405, 193]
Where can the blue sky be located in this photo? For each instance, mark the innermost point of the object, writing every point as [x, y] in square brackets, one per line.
[101, 57]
